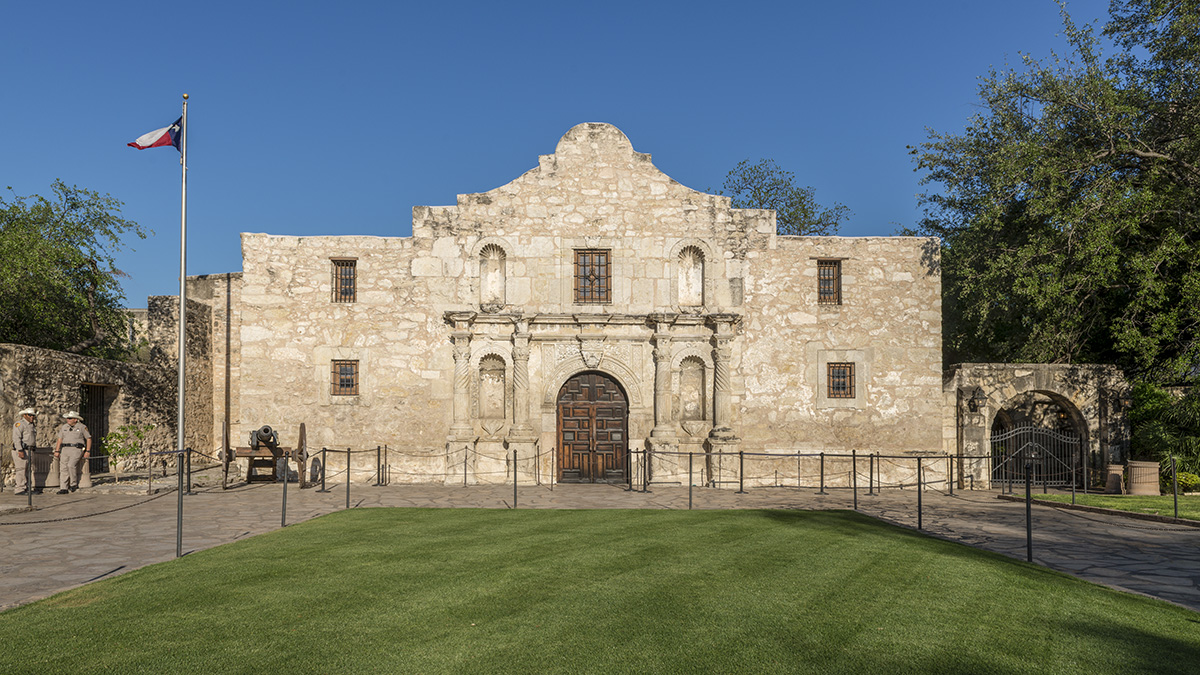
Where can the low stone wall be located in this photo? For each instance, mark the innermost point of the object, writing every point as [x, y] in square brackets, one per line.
[52, 381]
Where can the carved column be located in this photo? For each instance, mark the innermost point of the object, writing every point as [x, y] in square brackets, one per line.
[722, 386]
[461, 442]
[520, 356]
[462, 385]
[664, 426]
[722, 439]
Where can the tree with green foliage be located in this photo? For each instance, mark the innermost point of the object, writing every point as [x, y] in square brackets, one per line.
[1069, 207]
[58, 279]
[766, 185]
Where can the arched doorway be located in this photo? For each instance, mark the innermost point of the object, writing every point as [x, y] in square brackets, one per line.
[593, 430]
[1044, 430]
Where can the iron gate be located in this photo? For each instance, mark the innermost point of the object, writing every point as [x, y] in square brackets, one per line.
[1055, 456]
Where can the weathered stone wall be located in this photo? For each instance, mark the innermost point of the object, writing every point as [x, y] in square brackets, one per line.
[51, 382]
[163, 333]
[737, 345]
[1093, 396]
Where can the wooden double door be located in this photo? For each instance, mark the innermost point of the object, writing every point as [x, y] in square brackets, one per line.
[593, 430]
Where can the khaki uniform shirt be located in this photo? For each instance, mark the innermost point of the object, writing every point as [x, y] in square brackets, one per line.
[72, 436]
[24, 432]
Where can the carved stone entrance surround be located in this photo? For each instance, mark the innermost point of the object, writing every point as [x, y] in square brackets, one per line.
[641, 352]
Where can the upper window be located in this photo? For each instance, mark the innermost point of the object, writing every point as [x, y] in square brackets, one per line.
[829, 282]
[344, 378]
[344, 280]
[840, 380]
[593, 276]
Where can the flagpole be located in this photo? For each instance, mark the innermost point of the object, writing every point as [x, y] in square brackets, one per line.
[182, 326]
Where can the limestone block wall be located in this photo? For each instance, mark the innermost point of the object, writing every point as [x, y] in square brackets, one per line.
[288, 331]
[1094, 397]
[695, 286]
[51, 381]
[163, 333]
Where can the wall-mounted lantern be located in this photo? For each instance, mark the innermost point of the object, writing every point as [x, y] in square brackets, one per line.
[977, 400]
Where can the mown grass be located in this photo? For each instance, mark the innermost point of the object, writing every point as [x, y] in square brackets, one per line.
[492, 591]
[1162, 505]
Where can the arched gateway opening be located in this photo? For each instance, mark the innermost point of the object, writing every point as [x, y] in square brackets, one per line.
[593, 430]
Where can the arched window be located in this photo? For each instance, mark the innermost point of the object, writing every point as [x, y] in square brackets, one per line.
[691, 277]
[691, 390]
[491, 387]
[491, 277]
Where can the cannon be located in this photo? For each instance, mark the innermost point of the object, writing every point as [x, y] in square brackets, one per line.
[264, 453]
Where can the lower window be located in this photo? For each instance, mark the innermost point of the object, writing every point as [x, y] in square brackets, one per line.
[840, 380]
[344, 378]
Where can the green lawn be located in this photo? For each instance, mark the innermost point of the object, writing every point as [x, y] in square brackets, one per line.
[1163, 505]
[533, 591]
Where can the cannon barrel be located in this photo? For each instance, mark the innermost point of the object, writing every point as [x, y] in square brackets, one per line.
[264, 434]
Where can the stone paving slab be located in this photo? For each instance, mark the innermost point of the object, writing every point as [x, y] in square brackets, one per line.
[73, 539]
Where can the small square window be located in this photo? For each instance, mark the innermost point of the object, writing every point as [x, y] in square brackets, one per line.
[593, 276]
[829, 282]
[840, 380]
[344, 378]
[344, 280]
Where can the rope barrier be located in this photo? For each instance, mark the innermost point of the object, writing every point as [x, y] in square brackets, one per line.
[90, 515]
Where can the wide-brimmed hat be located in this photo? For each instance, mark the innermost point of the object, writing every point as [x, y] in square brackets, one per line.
[72, 415]
[28, 411]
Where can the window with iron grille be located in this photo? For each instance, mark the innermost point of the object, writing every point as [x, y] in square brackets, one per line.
[829, 282]
[344, 280]
[345, 378]
[593, 276]
[840, 378]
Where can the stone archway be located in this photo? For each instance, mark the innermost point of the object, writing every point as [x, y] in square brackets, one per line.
[1044, 428]
[1094, 397]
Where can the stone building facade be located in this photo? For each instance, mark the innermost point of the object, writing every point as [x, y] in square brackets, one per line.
[584, 313]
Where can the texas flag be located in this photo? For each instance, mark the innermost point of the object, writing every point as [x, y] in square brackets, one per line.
[160, 137]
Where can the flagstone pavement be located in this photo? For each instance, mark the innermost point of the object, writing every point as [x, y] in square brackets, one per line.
[93, 534]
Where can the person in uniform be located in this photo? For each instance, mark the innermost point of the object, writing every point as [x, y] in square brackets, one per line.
[74, 444]
[24, 438]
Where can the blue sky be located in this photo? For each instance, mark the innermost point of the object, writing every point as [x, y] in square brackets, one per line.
[310, 118]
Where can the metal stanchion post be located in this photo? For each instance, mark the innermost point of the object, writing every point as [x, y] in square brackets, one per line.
[514, 479]
[347, 477]
[741, 472]
[854, 475]
[920, 489]
[188, 463]
[690, 481]
[1074, 461]
[324, 470]
[378, 465]
[871, 474]
[1029, 510]
[283, 510]
[1175, 486]
[950, 472]
[822, 490]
